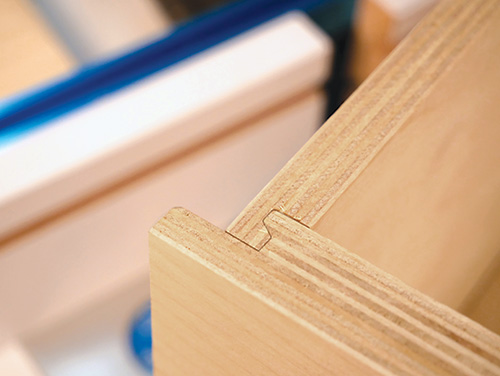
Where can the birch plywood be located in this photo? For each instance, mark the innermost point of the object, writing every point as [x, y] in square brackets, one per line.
[404, 173]
[302, 306]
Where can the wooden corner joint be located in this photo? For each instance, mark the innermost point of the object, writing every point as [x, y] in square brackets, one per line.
[301, 305]
[267, 228]
[273, 296]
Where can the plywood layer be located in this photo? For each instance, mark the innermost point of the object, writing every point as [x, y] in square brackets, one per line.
[404, 173]
[303, 305]
[399, 188]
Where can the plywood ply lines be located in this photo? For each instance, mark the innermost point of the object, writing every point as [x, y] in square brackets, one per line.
[404, 173]
[302, 306]
[363, 252]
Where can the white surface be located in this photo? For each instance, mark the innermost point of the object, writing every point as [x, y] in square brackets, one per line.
[403, 8]
[155, 118]
[89, 253]
[95, 341]
[96, 29]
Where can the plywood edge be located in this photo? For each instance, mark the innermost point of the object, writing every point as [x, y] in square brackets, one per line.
[326, 265]
[199, 272]
[323, 169]
[216, 309]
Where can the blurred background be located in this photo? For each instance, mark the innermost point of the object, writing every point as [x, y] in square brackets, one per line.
[114, 111]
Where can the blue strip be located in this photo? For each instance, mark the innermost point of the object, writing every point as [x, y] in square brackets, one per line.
[95, 81]
[140, 338]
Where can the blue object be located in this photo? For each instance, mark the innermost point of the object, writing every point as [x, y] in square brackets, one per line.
[94, 81]
[141, 339]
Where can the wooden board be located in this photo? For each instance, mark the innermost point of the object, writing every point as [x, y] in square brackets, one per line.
[483, 304]
[30, 53]
[379, 25]
[96, 30]
[302, 306]
[405, 172]
[405, 175]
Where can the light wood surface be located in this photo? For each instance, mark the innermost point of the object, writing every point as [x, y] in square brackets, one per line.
[95, 30]
[404, 173]
[483, 304]
[379, 25]
[400, 187]
[302, 305]
[370, 42]
[30, 53]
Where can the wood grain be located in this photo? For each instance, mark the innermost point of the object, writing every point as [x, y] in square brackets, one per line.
[427, 208]
[220, 307]
[213, 310]
[404, 173]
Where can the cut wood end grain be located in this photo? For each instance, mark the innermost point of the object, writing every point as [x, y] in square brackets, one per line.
[236, 310]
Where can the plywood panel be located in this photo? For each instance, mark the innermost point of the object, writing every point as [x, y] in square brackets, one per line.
[427, 208]
[404, 173]
[302, 305]
[483, 304]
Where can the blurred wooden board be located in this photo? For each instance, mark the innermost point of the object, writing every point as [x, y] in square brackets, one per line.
[97, 30]
[30, 53]
[379, 26]
[301, 306]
